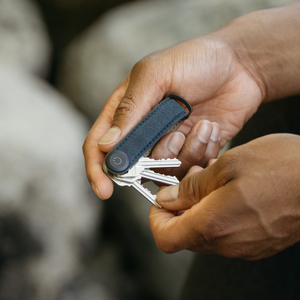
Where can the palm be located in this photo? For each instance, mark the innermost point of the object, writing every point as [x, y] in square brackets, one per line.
[217, 85]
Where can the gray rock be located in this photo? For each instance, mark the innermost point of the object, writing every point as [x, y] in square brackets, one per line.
[130, 263]
[48, 215]
[98, 60]
[23, 38]
[66, 18]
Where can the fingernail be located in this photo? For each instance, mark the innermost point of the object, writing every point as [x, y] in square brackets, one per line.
[204, 131]
[110, 136]
[168, 194]
[176, 142]
[96, 191]
[216, 132]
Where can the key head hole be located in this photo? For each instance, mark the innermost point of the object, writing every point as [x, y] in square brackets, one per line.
[117, 161]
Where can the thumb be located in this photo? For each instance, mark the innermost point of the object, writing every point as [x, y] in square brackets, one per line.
[144, 91]
[190, 190]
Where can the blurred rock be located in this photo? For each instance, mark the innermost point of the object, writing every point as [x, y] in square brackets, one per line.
[23, 37]
[97, 61]
[134, 267]
[66, 18]
[48, 215]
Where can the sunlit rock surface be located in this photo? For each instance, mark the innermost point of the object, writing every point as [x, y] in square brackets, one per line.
[101, 57]
[23, 37]
[48, 215]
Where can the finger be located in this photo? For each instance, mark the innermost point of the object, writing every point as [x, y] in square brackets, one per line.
[101, 184]
[147, 86]
[162, 221]
[213, 146]
[94, 158]
[194, 148]
[211, 161]
[175, 231]
[193, 170]
[206, 227]
[195, 186]
[169, 146]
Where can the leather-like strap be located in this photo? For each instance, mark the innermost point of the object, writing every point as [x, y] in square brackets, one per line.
[166, 115]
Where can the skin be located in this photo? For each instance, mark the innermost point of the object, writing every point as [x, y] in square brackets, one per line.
[230, 208]
[246, 203]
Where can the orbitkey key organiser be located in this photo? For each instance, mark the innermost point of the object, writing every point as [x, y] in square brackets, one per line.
[127, 162]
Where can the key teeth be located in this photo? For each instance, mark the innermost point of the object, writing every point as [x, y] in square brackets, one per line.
[154, 202]
[154, 176]
[167, 159]
[161, 159]
[168, 176]
[149, 191]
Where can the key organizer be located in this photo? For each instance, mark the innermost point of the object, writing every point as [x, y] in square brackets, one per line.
[167, 116]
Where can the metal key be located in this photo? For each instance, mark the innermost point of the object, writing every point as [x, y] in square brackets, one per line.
[142, 170]
[151, 175]
[152, 163]
[136, 184]
[146, 163]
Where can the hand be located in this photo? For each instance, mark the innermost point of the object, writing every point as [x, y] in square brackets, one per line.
[225, 76]
[207, 72]
[245, 205]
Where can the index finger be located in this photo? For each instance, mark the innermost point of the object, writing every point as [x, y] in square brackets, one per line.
[93, 156]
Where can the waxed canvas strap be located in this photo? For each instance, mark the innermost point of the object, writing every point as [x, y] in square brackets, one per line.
[165, 117]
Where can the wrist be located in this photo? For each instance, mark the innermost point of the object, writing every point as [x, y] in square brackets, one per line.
[267, 44]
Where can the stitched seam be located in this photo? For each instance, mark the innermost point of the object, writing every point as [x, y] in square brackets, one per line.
[177, 118]
[142, 122]
[171, 123]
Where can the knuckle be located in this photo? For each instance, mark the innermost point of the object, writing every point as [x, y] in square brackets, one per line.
[164, 247]
[126, 107]
[87, 143]
[138, 66]
[85, 151]
[84, 145]
[166, 242]
[143, 64]
[89, 178]
[228, 167]
[212, 233]
[189, 189]
[215, 233]
[88, 175]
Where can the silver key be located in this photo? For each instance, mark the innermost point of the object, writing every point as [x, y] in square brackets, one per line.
[146, 193]
[152, 163]
[145, 163]
[139, 187]
[142, 170]
[135, 184]
[151, 175]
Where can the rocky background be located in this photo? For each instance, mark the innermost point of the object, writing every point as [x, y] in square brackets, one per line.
[59, 61]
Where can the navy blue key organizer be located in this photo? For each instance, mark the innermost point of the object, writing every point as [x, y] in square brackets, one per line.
[167, 116]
